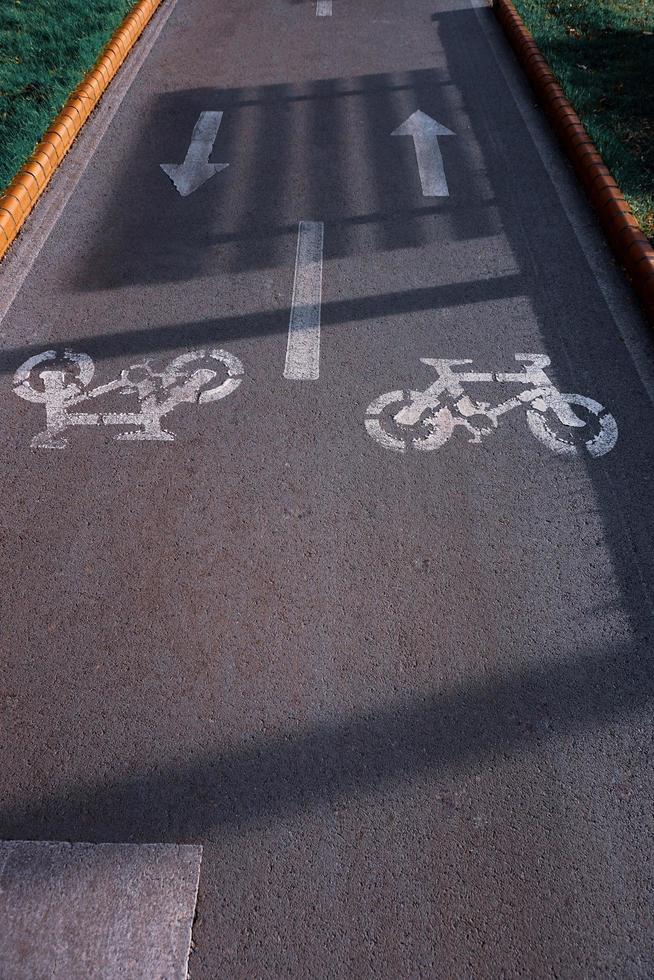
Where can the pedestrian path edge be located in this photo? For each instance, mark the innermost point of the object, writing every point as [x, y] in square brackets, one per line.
[31, 180]
[630, 245]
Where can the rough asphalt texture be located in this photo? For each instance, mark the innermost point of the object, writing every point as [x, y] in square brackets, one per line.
[404, 701]
[93, 911]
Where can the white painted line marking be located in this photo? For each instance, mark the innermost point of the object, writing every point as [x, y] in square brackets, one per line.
[87, 911]
[425, 132]
[303, 349]
[323, 8]
[196, 169]
[25, 250]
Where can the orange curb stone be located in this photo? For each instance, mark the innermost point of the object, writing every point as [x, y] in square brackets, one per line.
[621, 229]
[31, 180]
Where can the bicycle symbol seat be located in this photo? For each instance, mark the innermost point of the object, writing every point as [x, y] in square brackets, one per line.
[422, 420]
[61, 381]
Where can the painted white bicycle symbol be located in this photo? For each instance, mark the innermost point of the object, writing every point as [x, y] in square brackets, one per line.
[421, 420]
[60, 381]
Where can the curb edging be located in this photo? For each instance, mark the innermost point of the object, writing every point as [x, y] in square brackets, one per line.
[33, 177]
[630, 245]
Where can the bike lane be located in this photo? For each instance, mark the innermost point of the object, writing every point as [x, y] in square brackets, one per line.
[399, 697]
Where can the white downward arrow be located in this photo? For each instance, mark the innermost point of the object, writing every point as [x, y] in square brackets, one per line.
[425, 132]
[196, 169]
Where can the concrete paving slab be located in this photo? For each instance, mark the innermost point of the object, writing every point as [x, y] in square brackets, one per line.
[96, 911]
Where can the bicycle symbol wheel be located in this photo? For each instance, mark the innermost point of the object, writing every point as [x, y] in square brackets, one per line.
[434, 429]
[543, 427]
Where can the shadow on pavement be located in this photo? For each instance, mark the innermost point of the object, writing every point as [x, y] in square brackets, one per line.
[443, 733]
[577, 328]
[446, 730]
[221, 330]
[319, 150]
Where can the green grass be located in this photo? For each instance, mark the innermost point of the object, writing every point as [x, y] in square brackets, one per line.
[46, 47]
[602, 52]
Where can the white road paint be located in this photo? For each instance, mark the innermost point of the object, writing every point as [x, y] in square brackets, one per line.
[63, 384]
[26, 248]
[425, 133]
[196, 170]
[303, 348]
[94, 911]
[323, 8]
[425, 420]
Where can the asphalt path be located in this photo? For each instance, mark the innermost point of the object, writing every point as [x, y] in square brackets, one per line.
[402, 699]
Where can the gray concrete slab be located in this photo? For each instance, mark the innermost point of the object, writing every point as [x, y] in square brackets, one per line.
[403, 700]
[96, 911]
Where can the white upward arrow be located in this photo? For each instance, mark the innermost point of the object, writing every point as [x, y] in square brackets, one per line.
[196, 169]
[425, 132]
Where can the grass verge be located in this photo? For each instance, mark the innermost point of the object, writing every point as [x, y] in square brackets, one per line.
[46, 48]
[602, 52]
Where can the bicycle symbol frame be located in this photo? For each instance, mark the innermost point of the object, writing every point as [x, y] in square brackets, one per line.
[423, 420]
[420, 420]
[62, 389]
